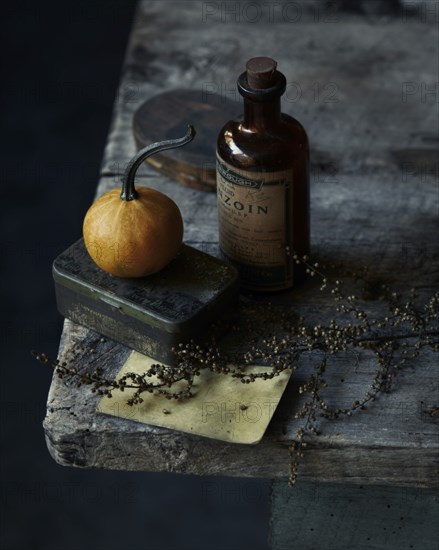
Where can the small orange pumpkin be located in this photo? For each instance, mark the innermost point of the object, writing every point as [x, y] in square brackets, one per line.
[135, 232]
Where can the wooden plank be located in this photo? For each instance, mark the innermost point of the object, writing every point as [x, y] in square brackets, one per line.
[375, 202]
[394, 442]
[365, 98]
[78, 436]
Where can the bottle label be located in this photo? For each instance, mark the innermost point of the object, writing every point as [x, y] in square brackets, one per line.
[255, 224]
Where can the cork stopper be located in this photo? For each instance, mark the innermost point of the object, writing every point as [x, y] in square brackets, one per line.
[260, 72]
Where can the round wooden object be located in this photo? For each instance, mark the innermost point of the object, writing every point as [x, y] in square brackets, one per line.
[167, 116]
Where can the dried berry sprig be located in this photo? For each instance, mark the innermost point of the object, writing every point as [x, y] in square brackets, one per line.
[165, 377]
[394, 338]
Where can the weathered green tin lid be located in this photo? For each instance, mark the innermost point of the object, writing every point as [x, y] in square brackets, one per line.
[188, 294]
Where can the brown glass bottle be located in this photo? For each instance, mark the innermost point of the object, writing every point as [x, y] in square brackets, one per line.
[263, 184]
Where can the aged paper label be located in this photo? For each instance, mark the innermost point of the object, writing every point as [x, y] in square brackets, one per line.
[255, 224]
[221, 407]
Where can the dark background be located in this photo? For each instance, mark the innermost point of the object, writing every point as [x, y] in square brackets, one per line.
[60, 70]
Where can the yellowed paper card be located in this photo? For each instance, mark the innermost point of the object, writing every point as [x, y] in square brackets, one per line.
[222, 408]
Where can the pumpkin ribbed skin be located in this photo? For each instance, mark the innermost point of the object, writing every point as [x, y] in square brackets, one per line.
[133, 238]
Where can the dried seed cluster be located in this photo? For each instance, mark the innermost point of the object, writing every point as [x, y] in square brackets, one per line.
[279, 340]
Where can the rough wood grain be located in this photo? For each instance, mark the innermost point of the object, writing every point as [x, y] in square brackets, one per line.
[363, 88]
[375, 202]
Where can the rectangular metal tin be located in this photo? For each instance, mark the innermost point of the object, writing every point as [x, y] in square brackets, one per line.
[151, 314]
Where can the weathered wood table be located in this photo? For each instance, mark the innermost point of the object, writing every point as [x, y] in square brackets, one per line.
[366, 91]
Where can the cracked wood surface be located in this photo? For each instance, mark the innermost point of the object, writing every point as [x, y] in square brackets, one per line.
[375, 202]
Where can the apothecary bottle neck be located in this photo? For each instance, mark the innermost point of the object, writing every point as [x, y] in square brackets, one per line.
[262, 108]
